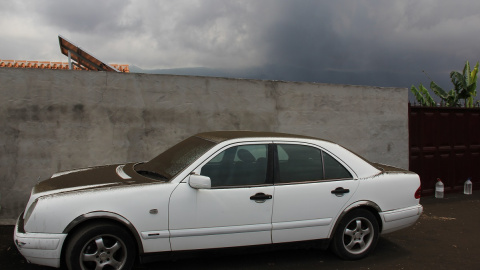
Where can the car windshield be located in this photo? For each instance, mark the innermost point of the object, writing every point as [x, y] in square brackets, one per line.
[175, 159]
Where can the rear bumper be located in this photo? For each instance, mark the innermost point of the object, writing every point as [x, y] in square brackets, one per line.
[400, 218]
[38, 248]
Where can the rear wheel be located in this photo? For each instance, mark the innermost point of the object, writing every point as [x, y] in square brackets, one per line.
[356, 235]
[100, 246]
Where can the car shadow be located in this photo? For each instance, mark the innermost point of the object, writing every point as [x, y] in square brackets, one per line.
[385, 255]
[388, 253]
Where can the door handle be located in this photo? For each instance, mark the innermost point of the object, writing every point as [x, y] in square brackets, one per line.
[260, 197]
[339, 191]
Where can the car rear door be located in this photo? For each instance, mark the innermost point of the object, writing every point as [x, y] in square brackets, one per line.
[311, 188]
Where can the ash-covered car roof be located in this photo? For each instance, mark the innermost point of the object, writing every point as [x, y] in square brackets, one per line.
[221, 136]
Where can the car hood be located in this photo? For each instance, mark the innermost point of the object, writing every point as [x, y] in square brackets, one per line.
[90, 178]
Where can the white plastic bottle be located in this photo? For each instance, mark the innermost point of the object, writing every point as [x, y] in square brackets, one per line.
[439, 189]
[467, 187]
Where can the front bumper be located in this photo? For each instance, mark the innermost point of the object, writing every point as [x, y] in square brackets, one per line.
[38, 248]
[400, 218]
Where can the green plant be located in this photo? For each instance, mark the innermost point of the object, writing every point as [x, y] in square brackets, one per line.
[466, 84]
[449, 99]
[423, 96]
[465, 87]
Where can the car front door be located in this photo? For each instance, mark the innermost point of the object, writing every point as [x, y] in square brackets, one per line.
[311, 188]
[235, 211]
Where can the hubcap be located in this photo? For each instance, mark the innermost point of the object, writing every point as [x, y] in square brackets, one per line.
[358, 235]
[103, 252]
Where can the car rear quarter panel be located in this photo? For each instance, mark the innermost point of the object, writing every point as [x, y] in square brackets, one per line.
[390, 191]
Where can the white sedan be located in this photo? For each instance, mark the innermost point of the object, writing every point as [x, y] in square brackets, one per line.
[216, 190]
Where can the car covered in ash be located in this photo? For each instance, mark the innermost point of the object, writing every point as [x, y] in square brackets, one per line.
[216, 190]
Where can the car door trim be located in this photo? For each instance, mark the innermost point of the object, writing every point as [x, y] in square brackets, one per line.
[155, 234]
[301, 224]
[220, 230]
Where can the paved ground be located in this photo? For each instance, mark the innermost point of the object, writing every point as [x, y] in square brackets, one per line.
[447, 236]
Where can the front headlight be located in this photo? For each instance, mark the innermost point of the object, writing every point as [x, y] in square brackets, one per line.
[30, 211]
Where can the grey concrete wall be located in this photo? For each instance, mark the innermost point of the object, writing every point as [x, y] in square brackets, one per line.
[55, 120]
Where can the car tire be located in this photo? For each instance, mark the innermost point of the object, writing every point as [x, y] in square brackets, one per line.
[356, 235]
[101, 245]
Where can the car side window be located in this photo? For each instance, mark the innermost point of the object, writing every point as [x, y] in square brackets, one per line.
[333, 169]
[299, 163]
[242, 165]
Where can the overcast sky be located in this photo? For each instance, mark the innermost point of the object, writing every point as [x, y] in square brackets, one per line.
[369, 42]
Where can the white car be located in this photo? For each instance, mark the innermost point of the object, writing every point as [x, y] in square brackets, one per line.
[215, 190]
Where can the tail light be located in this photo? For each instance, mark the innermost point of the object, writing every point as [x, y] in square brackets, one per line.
[418, 193]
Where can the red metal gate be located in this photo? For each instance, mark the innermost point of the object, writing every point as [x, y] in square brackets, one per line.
[445, 144]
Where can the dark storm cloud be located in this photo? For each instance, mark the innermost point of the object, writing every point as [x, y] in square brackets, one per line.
[386, 43]
[382, 43]
[324, 37]
[102, 17]
[303, 38]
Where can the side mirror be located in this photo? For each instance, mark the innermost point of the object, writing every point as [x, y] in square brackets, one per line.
[199, 181]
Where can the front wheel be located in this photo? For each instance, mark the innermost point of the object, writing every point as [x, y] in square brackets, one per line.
[356, 235]
[100, 246]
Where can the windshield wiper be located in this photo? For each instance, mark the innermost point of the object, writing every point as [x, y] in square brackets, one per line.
[153, 175]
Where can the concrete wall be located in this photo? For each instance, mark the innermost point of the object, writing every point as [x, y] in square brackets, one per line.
[55, 120]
